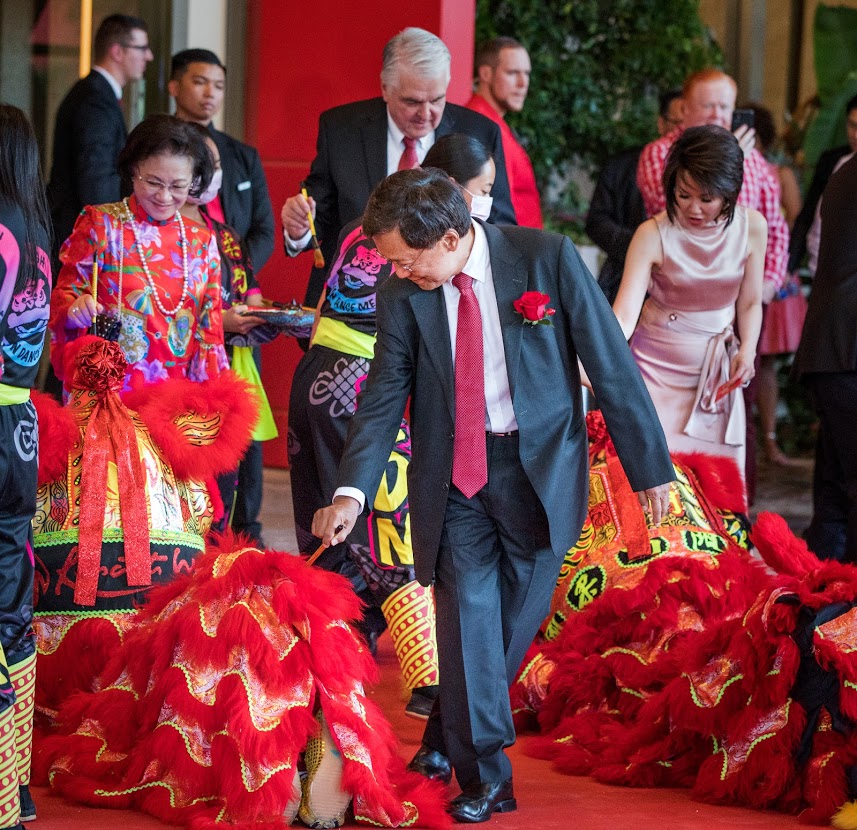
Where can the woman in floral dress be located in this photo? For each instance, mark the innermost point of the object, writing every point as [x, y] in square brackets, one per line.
[141, 264]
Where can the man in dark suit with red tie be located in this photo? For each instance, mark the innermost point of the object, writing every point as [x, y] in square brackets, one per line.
[361, 143]
[498, 484]
[90, 127]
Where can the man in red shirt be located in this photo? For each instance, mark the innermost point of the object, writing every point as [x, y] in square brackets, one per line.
[502, 69]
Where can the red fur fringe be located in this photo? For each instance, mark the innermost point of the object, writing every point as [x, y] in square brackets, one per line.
[780, 548]
[57, 434]
[252, 628]
[719, 479]
[226, 400]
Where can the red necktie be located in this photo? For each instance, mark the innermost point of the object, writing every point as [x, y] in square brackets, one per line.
[469, 458]
[409, 159]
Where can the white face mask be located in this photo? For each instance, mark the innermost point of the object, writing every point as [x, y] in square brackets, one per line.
[480, 206]
[210, 192]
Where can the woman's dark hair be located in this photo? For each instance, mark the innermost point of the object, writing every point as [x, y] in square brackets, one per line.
[21, 184]
[712, 157]
[763, 124]
[458, 155]
[422, 204]
[165, 135]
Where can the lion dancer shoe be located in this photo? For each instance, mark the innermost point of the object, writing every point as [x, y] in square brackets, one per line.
[324, 802]
[23, 676]
[410, 616]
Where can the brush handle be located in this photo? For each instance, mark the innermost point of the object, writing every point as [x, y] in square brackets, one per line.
[310, 219]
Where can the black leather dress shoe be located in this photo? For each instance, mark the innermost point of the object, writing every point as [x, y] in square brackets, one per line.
[478, 802]
[431, 764]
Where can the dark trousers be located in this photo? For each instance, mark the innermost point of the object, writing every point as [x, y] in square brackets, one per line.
[241, 492]
[19, 461]
[832, 533]
[494, 580]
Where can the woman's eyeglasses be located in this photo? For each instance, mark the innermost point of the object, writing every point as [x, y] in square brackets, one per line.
[155, 186]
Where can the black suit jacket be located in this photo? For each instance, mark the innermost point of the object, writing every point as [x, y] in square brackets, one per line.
[244, 196]
[90, 132]
[413, 357]
[823, 170]
[615, 213]
[829, 339]
[351, 159]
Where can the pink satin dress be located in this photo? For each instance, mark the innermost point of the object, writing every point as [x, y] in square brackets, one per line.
[685, 339]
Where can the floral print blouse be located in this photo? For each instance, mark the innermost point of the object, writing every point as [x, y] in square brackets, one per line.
[188, 341]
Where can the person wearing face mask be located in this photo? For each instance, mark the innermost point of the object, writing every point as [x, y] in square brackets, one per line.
[377, 557]
[239, 292]
[198, 86]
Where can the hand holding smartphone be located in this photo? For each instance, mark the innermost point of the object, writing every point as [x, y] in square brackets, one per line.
[743, 118]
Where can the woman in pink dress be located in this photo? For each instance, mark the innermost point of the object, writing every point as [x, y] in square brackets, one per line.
[700, 262]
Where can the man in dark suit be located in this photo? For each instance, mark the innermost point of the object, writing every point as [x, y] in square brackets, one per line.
[90, 127]
[827, 360]
[616, 209]
[499, 495]
[198, 84]
[361, 143]
[824, 168]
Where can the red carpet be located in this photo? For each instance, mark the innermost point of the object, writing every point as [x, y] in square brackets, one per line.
[546, 799]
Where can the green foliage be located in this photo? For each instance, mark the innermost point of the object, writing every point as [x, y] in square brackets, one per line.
[598, 68]
[835, 47]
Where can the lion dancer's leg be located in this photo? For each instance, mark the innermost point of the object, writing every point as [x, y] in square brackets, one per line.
[19, 459]
[10, 804]
[382, 550]
[23, 675]
[410, 616]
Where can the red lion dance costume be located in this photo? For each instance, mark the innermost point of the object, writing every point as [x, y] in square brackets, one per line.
[688, 662]
[202, 684]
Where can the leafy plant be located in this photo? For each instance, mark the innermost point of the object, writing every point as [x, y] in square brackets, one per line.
[835, 56]
[598, 68]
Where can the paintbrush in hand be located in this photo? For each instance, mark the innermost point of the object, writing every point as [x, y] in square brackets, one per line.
[317, 255]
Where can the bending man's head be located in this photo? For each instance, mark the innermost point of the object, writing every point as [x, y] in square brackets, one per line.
[420, 223]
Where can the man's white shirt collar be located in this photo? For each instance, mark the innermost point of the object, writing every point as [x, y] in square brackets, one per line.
[423, 145]
[478, 262]
[114, 84]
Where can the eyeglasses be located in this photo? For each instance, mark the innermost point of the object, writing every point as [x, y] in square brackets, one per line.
[155, 186]
[144, 48]
[410, 267]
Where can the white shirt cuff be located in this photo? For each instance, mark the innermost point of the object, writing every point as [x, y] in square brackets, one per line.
[355, 494]
[296, 246]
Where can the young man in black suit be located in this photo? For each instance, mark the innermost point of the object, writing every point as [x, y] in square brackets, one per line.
[90, 127]
[361, 143]
[496, 499]
[198, 85]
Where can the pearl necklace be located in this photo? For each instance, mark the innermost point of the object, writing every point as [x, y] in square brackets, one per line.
[186, 281]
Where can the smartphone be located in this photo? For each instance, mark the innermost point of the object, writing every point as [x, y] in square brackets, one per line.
[742, 118]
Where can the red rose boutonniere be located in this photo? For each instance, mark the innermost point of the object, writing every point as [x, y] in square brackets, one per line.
[533, 307]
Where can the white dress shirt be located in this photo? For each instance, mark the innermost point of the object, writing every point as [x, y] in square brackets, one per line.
[499, 414]
[395, 148]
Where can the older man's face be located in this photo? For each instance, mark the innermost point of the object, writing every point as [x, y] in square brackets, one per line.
[415, 102]
[710, 102]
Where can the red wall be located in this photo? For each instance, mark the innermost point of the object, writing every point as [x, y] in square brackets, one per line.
[303, 58]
